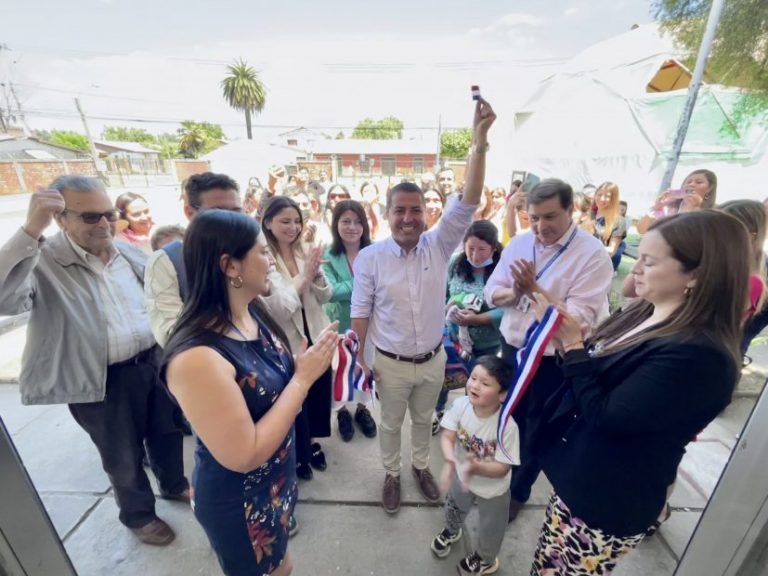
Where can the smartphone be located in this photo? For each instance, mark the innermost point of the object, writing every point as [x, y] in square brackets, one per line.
[677, 194]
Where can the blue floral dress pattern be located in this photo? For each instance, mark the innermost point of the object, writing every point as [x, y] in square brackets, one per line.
[246, 516]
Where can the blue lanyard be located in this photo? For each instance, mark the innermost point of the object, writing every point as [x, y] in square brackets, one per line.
[557, 255]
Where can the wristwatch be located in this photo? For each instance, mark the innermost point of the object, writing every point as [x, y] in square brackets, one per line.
[480, 148]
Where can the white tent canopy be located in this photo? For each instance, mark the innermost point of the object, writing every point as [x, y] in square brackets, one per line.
[244, 159]
[598, 119]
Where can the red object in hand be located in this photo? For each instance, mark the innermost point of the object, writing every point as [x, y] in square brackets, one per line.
[475, 92]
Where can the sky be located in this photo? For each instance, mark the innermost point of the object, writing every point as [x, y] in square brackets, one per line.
[325, 64]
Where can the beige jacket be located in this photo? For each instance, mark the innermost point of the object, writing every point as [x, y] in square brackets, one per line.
[285, 303]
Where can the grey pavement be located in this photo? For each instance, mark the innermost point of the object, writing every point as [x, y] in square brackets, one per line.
[343, 528]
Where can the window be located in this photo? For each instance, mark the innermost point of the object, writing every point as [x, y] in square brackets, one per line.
[388, 166]
[418, 165]
[365, 164]
[293, 142]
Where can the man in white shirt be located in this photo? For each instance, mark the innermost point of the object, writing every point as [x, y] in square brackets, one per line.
[560, 260]
[163, 289]
[399, 298]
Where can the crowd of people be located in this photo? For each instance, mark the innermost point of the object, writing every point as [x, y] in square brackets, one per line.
[233, 326]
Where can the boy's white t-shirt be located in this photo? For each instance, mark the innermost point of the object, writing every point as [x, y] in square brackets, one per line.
[477, 436]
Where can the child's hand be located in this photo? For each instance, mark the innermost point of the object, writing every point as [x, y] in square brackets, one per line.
[468, 470]
[446, 477]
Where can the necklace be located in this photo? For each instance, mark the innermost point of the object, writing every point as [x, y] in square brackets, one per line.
[243, 336]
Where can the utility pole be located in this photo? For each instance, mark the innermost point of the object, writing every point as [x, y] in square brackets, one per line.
[94, 152]
[3, 123]
[693, 92]
[27, 130]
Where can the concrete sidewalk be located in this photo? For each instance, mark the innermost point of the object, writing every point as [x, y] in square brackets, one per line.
[343, 528]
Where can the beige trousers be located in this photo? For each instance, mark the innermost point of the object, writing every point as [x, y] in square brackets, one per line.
[415, 387]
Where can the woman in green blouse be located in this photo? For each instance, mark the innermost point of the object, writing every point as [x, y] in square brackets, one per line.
[349, 228]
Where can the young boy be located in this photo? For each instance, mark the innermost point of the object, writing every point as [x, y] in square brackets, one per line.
[476, 468]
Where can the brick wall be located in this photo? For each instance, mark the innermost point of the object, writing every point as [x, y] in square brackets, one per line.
[9, 181]
[186, 168]
[39, 173]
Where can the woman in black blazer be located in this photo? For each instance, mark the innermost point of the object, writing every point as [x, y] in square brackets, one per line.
[648, 381]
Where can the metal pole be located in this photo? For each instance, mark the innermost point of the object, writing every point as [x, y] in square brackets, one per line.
[693, 92]
[94, 152]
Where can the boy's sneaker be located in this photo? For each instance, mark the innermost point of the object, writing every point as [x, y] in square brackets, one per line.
[441, 545]
[436, 422]
[473, 564]
[293, 526]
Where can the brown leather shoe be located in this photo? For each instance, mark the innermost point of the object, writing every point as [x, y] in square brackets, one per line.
[390, 496]
[514, 509]
[155, 533]
[183, 496]
[427, 484]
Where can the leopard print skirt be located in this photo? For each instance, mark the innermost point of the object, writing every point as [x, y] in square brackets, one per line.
[568, 547]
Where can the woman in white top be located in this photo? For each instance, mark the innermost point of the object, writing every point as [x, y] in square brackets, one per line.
[299, 290]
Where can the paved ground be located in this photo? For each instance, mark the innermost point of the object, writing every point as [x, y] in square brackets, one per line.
[343, 529]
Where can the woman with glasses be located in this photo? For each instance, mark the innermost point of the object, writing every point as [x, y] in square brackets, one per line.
[336, 194]
[135, 225]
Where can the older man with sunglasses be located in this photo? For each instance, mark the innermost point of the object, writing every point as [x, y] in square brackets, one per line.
[90, 345]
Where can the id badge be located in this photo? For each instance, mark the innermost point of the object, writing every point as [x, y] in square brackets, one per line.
[524, 304]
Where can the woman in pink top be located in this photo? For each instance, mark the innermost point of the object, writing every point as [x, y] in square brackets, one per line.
[135, 222]
[752, 214]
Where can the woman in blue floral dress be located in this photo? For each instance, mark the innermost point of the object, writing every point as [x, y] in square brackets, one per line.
[229, 366]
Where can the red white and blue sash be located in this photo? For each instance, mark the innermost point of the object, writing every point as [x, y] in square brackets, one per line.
[528, 360]
[348, 375]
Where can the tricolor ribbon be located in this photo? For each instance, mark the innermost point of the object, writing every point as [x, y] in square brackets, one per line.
[348, 375]
[528, 360]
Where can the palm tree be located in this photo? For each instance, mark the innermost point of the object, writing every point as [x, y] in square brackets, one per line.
[192, 138]
[244, 91]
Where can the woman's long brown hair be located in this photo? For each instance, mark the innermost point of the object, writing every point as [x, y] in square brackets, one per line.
[715, 247]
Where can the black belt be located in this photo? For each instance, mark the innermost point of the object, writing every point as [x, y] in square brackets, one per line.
[412, 360]
[142, 357]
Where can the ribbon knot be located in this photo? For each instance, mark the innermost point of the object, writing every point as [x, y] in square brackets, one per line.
[348, 375]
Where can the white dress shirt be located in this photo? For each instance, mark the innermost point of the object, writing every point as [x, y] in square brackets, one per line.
[403, 294]
[162, 295]
[580, 278]
[122, 297]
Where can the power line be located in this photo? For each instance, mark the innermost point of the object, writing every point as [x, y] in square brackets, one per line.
[334, 67]
[70, 114]
[93, 94]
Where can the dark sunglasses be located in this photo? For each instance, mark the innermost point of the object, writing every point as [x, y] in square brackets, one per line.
[95, 217]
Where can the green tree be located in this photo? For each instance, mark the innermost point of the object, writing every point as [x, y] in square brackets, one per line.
[168, 146]
[243, 90]
[455, 143]
[70, 139]
[389, 128]
[198, 138]
[739, 55]
[125, 134]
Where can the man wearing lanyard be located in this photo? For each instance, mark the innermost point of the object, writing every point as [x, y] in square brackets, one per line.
[399, 298]
[563, 262]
